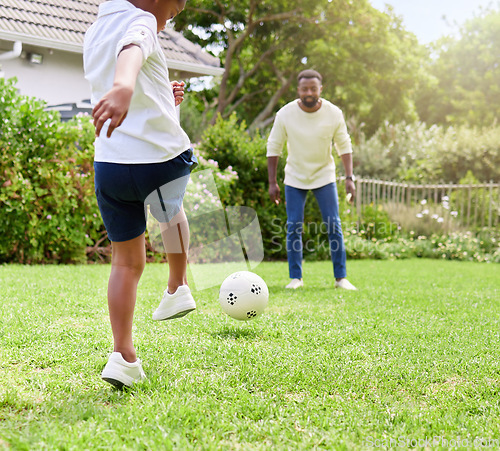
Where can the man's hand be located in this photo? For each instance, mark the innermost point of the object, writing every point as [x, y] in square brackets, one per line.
[113, 105]
[274, 189]
[350, 188]
[274, 193]
[178, 89]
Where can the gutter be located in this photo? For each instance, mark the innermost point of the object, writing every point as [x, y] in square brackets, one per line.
[78, 48]
[196, 68]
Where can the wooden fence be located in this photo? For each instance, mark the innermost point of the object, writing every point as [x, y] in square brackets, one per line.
[472, 205]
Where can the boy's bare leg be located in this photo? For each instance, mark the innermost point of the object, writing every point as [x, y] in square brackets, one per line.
[175, 236]
[127, 264]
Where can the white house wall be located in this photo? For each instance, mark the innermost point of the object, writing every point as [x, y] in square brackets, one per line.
[59, 79]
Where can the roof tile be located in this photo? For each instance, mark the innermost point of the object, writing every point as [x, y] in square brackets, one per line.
[67, 20]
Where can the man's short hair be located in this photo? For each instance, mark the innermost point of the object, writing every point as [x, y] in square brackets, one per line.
[309, 73]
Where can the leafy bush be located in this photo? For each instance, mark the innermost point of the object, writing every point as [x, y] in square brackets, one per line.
[49, 212]
[378, 234]
[197, 111]
[228, 143]
[475, 207]
[204, 208]
[376, 224]
[396, 152]
[417, 153]
[456, 246]
[424, 219]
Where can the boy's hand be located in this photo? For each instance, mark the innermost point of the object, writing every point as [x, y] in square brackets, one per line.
[114, 105]
[178, 89]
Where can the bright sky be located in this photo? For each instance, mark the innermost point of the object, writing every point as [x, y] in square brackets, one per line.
[425, 17]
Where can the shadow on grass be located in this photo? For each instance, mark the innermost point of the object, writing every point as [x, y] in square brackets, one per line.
[235, 333]
[306, 291]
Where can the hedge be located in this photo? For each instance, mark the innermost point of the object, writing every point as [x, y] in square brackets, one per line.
[48, 208]
[49, 213]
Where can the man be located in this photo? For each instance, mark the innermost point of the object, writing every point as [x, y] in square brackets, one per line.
[308, 125]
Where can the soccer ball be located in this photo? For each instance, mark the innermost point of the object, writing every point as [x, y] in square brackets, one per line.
[243, 295]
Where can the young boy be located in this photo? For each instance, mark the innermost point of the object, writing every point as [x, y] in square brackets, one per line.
[140, 147]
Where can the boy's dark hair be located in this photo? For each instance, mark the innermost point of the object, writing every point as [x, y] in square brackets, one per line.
[309, 73]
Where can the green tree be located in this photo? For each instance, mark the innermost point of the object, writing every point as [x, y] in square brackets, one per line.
[418, 153]
[259, 39]
[371, 65]
[466, 75]
[369, 60]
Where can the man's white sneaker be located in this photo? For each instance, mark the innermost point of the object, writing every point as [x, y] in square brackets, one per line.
[119, 372]
[294, 284]
[175, 305]
[345, 284]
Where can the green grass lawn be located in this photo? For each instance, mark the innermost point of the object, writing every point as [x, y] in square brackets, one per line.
[413, 355]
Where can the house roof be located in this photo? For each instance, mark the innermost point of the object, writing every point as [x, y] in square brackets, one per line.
[61, 25]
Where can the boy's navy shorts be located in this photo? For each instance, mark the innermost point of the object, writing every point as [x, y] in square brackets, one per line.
[124, 192]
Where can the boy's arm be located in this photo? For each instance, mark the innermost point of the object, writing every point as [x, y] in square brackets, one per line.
[115, 103]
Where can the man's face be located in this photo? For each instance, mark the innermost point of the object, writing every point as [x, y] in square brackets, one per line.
[309, 91]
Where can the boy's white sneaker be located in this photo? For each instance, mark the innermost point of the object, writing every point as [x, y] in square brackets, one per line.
[119, 372]
[294, 284]
[345, 284]
[175, 305]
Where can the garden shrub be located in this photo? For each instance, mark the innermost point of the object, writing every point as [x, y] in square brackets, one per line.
[465, 149]
[418, 153]
[228, 145]
[375, 223]
[397, 152]
[463, 246]
[49, 212]
[474, 213]
[48, 208]
[425, 218]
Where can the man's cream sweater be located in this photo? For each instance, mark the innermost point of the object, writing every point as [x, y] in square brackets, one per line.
[309, 137]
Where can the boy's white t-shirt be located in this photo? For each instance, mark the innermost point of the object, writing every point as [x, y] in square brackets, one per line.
[309, 137]
[151, 132]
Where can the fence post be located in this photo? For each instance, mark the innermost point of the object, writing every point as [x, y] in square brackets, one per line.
[359, 195]
[469, 190]
[471, 207]
[449, 192]
[462, 204]
[476, 195]
[497, 209]
[490, 207]
[483, 205]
